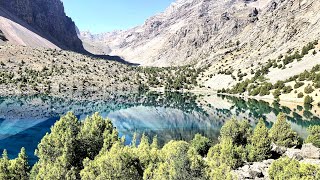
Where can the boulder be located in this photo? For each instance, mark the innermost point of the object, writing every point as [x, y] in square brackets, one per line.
[294, 154]
[309, 151]
[278, 149]
[255, 170]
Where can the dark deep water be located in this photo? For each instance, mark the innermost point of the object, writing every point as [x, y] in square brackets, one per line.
[25, 120]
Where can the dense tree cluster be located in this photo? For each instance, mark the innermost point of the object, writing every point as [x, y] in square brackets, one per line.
[92, 150]
[62, 151]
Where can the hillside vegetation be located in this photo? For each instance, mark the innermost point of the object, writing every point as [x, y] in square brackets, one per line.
[25, 70]
[301, 85]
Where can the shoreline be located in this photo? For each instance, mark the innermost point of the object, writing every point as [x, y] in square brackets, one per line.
[7, 93]
[267, 99]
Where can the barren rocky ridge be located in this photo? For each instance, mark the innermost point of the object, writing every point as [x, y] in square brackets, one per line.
[207, 31]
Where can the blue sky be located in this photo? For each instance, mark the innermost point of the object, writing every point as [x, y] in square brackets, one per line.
[108, 15]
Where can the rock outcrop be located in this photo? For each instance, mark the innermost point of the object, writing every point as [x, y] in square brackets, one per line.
[310, 151]
[2, 36]
[256, 170]
[259, 170]
[47, 19]
[241, 32]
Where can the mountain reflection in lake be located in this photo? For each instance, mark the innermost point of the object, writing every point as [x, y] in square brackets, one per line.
[25, 120]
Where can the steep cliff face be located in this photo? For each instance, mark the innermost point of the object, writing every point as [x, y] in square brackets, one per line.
[206, 31]
[48, 18]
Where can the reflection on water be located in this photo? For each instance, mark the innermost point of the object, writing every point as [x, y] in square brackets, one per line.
[25, 120]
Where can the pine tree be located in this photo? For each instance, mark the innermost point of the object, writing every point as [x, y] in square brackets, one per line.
[287, 168]
[59, 150]
[314, 135]
[117, 163]
[260, 146]
[19, 167]
[238, 131]
[92, 134]
[281, 133]
[4, 166]
[201, 144]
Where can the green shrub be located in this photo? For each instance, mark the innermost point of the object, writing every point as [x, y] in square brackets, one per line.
[264, 91]
[314, 52]
[317, 85]
[314, 135]
[279, 85]
[255, 91]
[218, 171]
[286, 168]
[300, 95]
[282, 134]
[201, 144]
[308, 89]
[238, 131]
[298, 84]
[287, 89]
[276, 93]
[308, 100]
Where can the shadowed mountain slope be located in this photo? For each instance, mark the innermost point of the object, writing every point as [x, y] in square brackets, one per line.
[39, 23]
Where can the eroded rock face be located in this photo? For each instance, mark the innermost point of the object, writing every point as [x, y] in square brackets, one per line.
[49, 18]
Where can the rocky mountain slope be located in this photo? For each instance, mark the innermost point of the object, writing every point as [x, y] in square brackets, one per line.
[242, 32]
[28, 71]
[19, 32]
[38, 23]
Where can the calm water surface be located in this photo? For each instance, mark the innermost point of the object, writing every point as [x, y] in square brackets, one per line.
[173, 116]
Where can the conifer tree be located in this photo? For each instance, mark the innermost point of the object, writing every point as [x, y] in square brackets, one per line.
[314, 135]
[93, 133]
[260, 146]
[281, 133]
[4, 166]
[59, 150]
[117, 163]
[238, 131]
[201, 144]
[19, 167]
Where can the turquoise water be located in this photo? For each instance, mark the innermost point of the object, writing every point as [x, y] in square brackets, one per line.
[173, 116]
